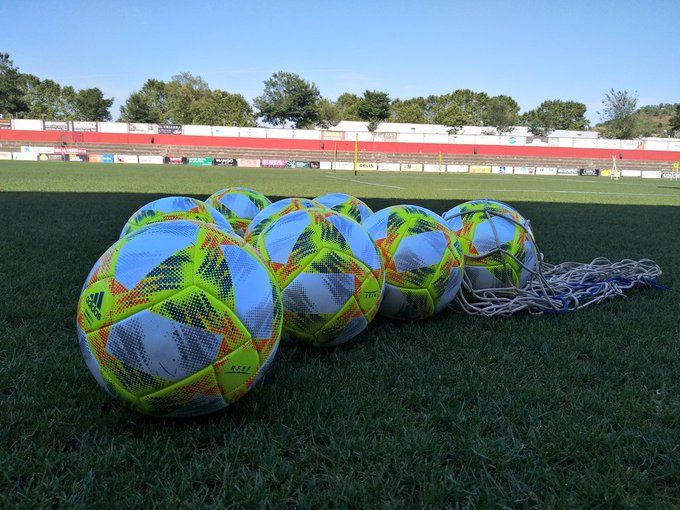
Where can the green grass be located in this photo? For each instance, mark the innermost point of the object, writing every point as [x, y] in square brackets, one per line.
[578, 410]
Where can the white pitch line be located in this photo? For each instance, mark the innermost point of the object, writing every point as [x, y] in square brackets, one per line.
[570, 192]
[363, 182]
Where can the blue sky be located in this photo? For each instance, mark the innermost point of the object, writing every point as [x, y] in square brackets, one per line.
[531, 50]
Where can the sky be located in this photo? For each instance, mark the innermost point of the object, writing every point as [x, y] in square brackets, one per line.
[531, 50]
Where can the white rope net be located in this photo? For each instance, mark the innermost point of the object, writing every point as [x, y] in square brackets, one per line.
[552, 288]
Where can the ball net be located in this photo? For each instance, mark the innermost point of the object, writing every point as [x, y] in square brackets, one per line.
[552, 288]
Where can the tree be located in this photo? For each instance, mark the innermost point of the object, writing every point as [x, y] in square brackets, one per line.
[46, 100]
[618, 113]
[472, 104]
[287, 97]
[374, 107]
[348, 106]
[181, 92]
[555, 114]
[410, 111]
[675, 120]
[453, 117]
[223, 108]
[329, 114]
[148, 105]
[501, 113]
[11, 92]
[90, 104]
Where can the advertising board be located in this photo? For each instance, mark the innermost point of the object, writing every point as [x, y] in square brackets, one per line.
[126, 158]
[76, 157]
[433, 167]
[546, 170]
[367, 166]
[631, 173]
[136, 127]
[5, 155]
[169, 129]
[5, 123]
[175, 160]
[249, 163]
[325, 165]
[24, 156]
[524, 170]
[501, 169]
[589, 172]
[389, 167]
[200, 161]
[651, 174]
[567, 171]
[411, 167]
[457, 169]
[480, 169]
[51, 157]
[151, 160]
[343, 165]
[56, 125]
[297, 164]
[79, 125]
[225, 162]
[273, 163]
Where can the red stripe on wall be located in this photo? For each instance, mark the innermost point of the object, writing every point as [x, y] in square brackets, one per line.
[329, 145]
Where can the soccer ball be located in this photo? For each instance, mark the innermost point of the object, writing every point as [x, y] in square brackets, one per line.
[273, 212]
[497, 243]
[330, 274]
[179, 319]
[423, 262]
[239, 205]
[174, 208]
[345, 204]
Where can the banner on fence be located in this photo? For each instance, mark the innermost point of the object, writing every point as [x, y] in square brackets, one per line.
[5, 155]
[297, 164]
[77, 157]
[95, 158]
[69, 150]
[333, 135]
[151, 160]
[136, 127]
[5, 123]
[343, 165]
[56, 125]
[546, 170]
[107, 158]
[126, 158]
[668, 174]
[589, 172]
[273, 163]
[252, 163]
[433, 167]
[31, 148]
[389, 167]
[631, 173]
[325, 165]
[457, 169]
[24, 156]
[606, 172]
[169, 129]
[225, 162]
[79, 125]
[524, 170]
[480, 169]
[51, 157]
[567, 171]
[501, 169]
[367, 166]
[411, 167]
[651, 174]
[175, 160]
[314, 164]
[204, 161]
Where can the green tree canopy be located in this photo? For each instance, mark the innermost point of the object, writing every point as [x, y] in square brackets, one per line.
[675, 120]
[11, 90]
[329, 114]
[555, 114]
[374, 107]
[288, 98]
[452, 116]
[502, 112]
[348, 106]
[90, 104]
[618, 113]
[223, 109]
[410, 111]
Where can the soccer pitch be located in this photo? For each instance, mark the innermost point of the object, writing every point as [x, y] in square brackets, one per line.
[552, 411]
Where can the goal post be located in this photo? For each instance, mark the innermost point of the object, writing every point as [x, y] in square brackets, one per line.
[615, 174]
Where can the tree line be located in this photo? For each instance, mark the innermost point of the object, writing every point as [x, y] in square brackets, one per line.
[290, 100]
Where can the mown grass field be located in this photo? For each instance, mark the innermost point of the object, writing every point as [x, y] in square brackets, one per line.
[578, 410]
